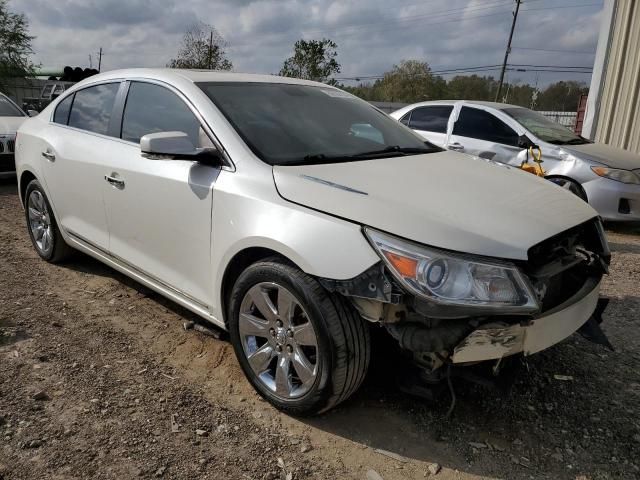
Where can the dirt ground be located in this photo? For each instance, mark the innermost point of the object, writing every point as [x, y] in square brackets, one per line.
[98, 379]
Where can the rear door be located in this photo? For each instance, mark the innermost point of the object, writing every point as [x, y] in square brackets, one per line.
[75, 148]
[430, 122]
[479, 132]
[160, 211]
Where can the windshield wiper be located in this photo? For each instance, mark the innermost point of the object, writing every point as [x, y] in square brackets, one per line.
[392, 150]
[573, 141]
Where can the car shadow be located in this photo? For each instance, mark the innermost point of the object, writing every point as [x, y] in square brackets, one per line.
[625, 228]
[8, 187]
[567, 406]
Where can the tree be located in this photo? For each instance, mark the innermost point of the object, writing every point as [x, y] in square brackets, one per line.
[15, 45]
[203, 48]
[561, 96]
[411, 81]
[312, 60]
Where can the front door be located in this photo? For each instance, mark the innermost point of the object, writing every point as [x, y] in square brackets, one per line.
[479, 132]
[159, 211]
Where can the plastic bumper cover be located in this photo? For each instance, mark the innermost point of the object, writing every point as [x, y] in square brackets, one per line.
[494, 342]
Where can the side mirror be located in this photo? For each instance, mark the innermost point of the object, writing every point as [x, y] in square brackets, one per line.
[176, 146]
[32, 113]
[525, 143]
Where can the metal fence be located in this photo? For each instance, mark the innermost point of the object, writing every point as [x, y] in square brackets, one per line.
[568, 119]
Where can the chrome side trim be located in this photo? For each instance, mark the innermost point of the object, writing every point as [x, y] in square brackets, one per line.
[153, 282]
[334, 185]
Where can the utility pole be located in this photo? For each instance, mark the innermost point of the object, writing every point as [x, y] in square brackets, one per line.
[99, 59]
[211, 50]
[508, 51]
[90, 62]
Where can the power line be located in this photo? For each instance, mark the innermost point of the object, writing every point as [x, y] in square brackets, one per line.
[554, 51]
[482, 68]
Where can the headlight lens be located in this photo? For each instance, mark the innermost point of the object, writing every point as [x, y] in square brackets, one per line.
[617, 174]
[454, 279]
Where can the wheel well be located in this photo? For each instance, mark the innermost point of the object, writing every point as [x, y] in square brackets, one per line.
[25, 179]
[571, 180]
[238, 264]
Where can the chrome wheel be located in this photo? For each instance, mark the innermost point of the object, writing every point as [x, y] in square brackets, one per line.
[278, 340]
[40, 222]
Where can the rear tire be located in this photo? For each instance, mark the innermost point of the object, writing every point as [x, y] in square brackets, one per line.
[42, 226]
[302, 348]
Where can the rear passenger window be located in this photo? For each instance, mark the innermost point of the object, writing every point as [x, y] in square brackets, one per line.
[476, 123]
[152, 108]
[431, 119]
[61, 114]
[92, 108]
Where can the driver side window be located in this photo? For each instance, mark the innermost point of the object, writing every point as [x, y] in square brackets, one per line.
[151, 108]
[482, 125]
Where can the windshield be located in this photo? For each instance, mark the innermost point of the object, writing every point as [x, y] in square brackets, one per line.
[543, 128]
[8, 108]
[287, 124]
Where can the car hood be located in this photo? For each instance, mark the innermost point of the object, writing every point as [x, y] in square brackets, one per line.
[9, 125]
[446, 199]
[611, 156]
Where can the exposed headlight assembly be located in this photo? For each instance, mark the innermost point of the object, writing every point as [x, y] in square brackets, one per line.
[617, 174]
[455, 280]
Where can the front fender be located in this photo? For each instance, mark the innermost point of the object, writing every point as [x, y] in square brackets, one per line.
[319, 244]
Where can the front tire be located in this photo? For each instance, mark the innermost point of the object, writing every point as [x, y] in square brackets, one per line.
[302, 348]
[570, 185]
[42, 226]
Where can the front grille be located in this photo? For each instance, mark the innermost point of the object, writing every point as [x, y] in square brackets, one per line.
[11, 146]
[561, 265]
[7, 163]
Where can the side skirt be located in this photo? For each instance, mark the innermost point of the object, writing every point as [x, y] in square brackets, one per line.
[145, 279]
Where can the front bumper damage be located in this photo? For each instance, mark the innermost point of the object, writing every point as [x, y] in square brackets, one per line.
[565, 271]
[493, 342]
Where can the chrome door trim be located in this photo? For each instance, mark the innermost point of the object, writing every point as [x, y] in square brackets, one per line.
[145, 275]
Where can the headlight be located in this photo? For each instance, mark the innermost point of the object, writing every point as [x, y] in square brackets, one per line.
[455, 280]
[617, 174]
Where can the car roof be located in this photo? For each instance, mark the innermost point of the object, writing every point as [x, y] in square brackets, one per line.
[171, 75]
[496, 105]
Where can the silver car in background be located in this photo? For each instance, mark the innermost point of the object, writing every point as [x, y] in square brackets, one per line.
[607, 177]
[11, 117]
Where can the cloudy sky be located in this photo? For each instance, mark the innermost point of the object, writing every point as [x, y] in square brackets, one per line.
[371, 35]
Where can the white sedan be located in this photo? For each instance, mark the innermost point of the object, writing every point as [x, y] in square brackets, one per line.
[296, 215]
[606, 177]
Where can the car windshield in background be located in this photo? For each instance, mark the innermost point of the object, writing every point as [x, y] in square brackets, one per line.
[543, 128]
[287, 124]
[8, 109]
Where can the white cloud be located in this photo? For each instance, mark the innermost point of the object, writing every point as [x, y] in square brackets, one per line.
[372, 35]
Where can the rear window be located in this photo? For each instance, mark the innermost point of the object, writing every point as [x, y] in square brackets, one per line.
[431, 119]
[61, 114]
[92, 108]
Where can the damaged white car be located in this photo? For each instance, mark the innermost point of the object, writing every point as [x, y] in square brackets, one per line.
[296, 216]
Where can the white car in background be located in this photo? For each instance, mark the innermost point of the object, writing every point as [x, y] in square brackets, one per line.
[11, 117]
[296, 215]
[607, 177]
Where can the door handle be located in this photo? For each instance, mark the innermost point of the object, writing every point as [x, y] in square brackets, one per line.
[49, 156]
[115, 181]
[456, 146]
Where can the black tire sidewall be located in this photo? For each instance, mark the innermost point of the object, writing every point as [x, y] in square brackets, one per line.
[288, 277]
